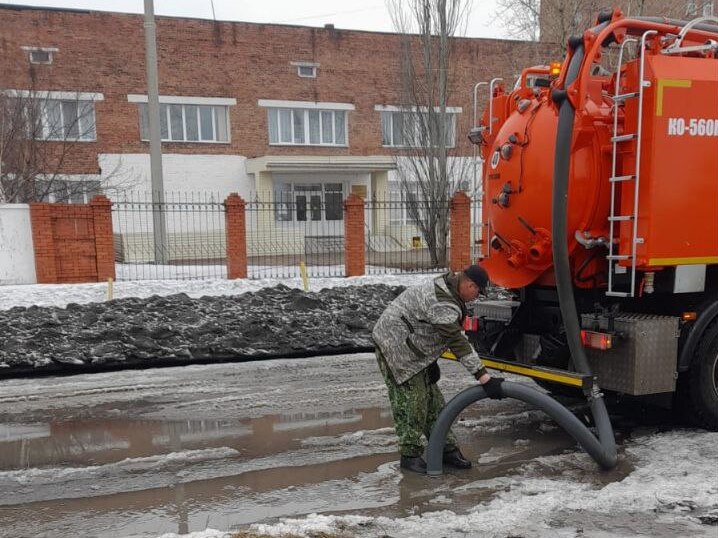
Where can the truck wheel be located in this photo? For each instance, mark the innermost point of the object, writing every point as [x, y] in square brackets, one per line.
[703, 380]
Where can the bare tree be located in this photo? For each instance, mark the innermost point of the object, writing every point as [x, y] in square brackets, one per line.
[557, 20]
[520, 18]
[40, 137]
[429, 169]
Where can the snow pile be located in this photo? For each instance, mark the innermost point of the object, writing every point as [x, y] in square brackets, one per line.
[178, 329]
[37, 477]
[63, 294]
[381, 437]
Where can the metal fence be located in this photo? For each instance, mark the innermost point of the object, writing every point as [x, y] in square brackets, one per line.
[285, 230]
[399, 235]
[193, 245]
[288, 228]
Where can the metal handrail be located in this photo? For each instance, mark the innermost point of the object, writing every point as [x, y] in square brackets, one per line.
[614, 161]
[643, 83]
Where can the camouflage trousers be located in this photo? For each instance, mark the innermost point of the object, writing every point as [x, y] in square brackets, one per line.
[415, 405]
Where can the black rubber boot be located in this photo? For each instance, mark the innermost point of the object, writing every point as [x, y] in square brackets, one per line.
[456, 459]
[415, 464]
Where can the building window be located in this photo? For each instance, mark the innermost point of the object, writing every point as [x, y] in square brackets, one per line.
[406, 128]
[65, 120]
[70, 192]
[40, 55]
[63, 191]
[307, 127]
[310, 202]
[306, 69]
[188, 122]
[403, 203]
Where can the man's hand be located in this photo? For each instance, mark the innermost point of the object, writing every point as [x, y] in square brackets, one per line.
[483, 379]
[492, 387]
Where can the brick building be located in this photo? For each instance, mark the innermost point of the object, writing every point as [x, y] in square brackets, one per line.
[245, 107]
[257, 109]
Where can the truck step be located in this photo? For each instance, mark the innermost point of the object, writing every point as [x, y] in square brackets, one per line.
[624, 96]
[624, 138]
[618, 179]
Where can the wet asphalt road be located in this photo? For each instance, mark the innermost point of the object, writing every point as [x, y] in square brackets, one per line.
[142, 453]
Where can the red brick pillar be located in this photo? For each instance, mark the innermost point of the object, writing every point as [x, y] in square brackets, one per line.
[236, 236]
[104, 245]
[43, 243]
[460, 229]
[354, 250]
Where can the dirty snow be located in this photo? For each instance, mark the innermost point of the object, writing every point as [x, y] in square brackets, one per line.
[667, 486]
[63, 294]
[676, 477]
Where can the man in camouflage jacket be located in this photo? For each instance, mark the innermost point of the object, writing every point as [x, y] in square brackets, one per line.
[411, 334]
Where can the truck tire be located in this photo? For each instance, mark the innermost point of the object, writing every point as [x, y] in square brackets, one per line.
[702, 397]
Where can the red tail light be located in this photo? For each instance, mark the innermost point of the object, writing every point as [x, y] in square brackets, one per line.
[596, 340]
[471, 323]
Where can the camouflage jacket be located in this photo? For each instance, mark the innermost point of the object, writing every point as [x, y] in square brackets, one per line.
[422, 323]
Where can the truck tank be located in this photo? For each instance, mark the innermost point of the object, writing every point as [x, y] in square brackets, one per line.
[636, 156]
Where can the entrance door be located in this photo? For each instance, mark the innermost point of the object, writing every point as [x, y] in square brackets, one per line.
[320, 207]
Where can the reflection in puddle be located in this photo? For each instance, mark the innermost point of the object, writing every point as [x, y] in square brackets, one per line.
[370, 481]
[181, 507]
[98, 442]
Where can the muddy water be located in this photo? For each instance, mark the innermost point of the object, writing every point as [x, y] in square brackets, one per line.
[224, 446]
[235, 496]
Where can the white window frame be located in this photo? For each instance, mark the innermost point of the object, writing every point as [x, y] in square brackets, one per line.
[300, 65]
[217, 103]
[398, 202]
[50, 52]
[303, 107]
[87, 181]
[387, 111]
[42, 96]
[50, 134]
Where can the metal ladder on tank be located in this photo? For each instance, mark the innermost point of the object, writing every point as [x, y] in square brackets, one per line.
[617, 139]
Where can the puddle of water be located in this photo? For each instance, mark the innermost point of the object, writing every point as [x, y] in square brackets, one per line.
[97, 442]
[183, 506]
[368, 482]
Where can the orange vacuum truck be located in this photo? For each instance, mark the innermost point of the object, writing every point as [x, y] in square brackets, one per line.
[600, 208]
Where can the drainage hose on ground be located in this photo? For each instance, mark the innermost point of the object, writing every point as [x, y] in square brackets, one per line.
[603, 448]
[529, 395]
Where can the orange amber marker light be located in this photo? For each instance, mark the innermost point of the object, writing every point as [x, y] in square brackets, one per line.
[555, 69]
[689, 316]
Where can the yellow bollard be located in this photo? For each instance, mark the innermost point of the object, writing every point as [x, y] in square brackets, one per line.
[303, 274]
[109, 289]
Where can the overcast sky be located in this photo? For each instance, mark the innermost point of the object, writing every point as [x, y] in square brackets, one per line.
[347, 14]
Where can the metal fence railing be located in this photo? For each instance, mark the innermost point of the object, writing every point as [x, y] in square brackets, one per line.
[288, 228]
[193, 245]
[400, 237]
[284, 230]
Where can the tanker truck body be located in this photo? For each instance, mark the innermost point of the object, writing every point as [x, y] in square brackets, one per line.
[600, 209]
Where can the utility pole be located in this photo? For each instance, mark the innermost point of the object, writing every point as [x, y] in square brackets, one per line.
[153, 112]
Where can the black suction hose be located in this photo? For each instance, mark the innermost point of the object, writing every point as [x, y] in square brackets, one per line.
[562, 269]
[529, 395]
